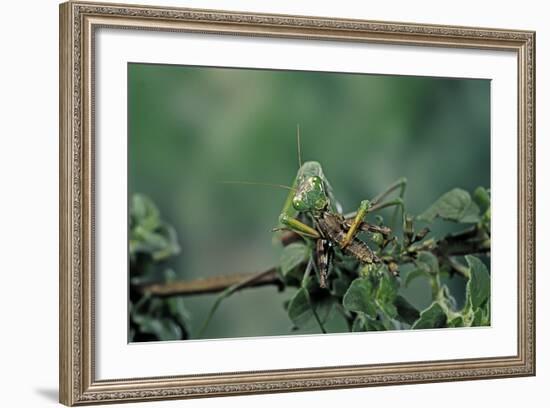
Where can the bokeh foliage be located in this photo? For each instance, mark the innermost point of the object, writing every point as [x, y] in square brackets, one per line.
[152, 245]
[191, 127]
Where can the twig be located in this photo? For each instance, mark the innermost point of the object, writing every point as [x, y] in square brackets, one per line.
[215, 284]
[452, 245]
[229, 291]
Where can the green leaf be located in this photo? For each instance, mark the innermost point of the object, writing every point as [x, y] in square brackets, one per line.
[482, 198]
[386, 294]
[412, 275]
[324, 307]
[388, 323]
[375, 325]
[150, 240]
[456, 322]
[455, 205]
[432, 317]
[360, 297]
[179, 312]
[406, 312]
[363, 323]
[478, 317]
[148, 233]
[486, 316]
[427, 262]
[172, 247]
[479, 285]
[359, 324]
[160, 243]
[164, 329]
[471, 215]
[292, 256]
[299, 309]
[340, 286]
[446, 298]
[144, 212]
[305, 308]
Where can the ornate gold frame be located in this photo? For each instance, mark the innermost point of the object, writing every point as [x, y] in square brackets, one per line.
[78, 22]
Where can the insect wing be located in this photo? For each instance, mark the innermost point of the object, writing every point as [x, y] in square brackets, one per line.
[324, 258]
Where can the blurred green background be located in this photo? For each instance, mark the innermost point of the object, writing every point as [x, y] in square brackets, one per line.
[192, 127]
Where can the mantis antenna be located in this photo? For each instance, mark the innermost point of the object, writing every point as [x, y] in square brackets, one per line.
[299, 147]
[258, 183]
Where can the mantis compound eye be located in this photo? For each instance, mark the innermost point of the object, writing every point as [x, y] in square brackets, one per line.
[317, 193]
[299, 203]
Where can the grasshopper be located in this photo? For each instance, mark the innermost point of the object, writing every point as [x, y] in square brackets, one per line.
[311, 197]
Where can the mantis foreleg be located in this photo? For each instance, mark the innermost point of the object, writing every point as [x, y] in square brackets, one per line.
[288, 217]
[297, 226]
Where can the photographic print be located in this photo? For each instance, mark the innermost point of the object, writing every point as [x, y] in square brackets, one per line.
[279, 202]
[253, 203]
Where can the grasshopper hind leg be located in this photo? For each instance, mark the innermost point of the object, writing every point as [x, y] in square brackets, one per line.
[323, 255]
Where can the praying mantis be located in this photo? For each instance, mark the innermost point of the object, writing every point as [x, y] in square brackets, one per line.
[311, 211]
[311, 198]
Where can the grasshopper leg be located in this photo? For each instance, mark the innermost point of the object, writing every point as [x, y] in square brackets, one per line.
[377, 204]
[364, 207]
[400, 185]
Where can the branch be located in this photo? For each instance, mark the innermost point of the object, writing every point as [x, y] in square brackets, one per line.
[215, 284]
[466, 242]
[462, 243]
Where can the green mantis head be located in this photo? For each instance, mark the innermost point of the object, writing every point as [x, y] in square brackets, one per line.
[310, 194]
